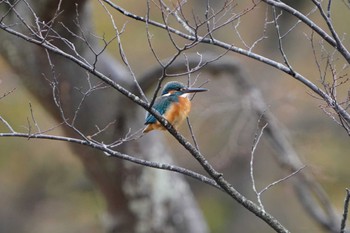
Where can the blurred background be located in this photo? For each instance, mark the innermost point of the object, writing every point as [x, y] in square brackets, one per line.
[42, 184]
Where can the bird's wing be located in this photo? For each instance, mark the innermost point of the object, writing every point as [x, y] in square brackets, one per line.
[161, 105]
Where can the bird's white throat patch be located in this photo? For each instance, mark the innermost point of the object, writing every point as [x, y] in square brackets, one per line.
[184, 95]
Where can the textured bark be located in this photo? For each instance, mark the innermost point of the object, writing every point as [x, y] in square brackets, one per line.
[138, 199]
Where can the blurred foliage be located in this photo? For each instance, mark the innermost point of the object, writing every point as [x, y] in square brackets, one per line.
[42, 184]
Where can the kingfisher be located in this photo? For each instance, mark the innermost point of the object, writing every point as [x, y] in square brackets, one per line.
[173, 104]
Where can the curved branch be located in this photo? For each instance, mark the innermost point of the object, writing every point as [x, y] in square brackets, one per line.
[333, 42]
[329, 100]
[197, 155]
[218, 177]
[116, 154]
[306, 186]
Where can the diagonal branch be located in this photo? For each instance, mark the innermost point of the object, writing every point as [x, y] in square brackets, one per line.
[310, 193]
[218, 177]
[299, 77]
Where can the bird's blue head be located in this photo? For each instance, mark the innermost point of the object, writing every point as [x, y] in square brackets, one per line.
[177, 87]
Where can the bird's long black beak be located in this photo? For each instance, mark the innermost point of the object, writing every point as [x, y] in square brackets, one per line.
[194, 89]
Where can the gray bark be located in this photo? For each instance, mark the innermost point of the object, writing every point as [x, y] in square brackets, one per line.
[138, 199]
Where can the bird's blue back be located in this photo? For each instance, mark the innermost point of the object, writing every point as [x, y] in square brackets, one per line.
[162, 104]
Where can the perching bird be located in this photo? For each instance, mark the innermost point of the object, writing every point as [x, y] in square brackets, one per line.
[174, 105]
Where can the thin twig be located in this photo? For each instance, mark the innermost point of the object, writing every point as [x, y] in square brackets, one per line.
[254, 146]
[33, 118]
[281, 180]
[7, 93]
[192, 133]
[121, 49]
[7, 125]
[346, 210]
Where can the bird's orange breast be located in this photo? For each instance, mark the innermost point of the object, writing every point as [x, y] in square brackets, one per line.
[178, 112]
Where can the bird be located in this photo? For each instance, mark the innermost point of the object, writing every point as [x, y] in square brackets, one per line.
[173, 104]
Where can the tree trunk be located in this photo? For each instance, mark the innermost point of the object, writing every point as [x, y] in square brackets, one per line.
[138, 199]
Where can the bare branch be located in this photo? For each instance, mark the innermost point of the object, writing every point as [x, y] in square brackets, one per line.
[329, 100]
[7, 93]
[281, 180]
[39, 35]
[102, 147]
[338, 44]
[7, 124]
[33, 118]
[280, 45]
[255, 144]
[192, 133]
[310, 24]
[345, 213]
[121, 50]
